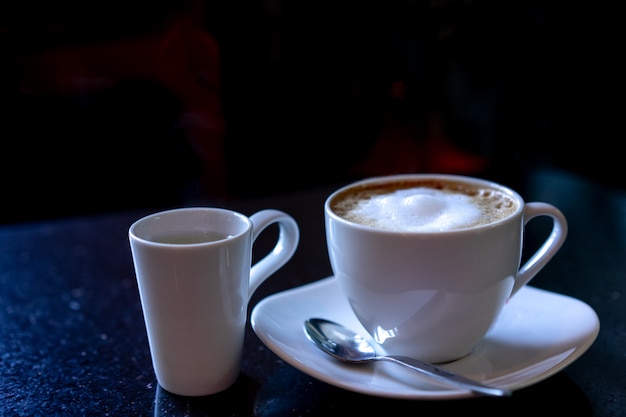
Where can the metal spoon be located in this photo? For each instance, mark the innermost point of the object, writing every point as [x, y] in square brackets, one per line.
[347, 346]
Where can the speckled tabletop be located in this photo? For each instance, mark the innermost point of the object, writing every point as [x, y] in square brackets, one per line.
[73, 342]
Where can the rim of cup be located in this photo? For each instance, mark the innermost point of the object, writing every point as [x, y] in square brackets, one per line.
[150, 220]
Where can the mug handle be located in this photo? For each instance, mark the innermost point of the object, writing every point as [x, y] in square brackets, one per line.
[286, 245]
[549, 247]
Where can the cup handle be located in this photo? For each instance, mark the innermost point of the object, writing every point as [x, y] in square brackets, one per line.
[549, 247]
[286, 245]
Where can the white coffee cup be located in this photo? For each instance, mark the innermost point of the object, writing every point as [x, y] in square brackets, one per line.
[195, 277]
[428, 272]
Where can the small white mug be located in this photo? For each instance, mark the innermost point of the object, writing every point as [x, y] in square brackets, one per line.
[427, 262]
[195, 277]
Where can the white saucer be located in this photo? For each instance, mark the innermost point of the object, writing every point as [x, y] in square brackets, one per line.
[538, 334]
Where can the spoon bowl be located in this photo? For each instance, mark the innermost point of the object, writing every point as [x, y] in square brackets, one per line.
[347, 346]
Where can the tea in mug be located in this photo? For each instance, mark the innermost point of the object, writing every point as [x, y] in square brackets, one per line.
[189, 237]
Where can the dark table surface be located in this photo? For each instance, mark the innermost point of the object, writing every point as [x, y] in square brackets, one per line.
[73, 342]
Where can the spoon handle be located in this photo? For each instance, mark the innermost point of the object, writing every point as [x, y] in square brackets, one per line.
[446, 376]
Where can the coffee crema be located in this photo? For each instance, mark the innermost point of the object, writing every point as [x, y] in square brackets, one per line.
[428, 205]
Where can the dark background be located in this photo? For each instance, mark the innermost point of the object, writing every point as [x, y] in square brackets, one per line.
[300, 94]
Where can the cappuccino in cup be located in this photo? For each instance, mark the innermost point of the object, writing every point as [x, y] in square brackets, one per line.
[423, 205]
[428, 261]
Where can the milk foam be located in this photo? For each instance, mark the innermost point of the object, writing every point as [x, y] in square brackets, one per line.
[418, 210]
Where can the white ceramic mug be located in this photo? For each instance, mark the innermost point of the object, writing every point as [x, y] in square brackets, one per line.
[431, 274]
[195, 277]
